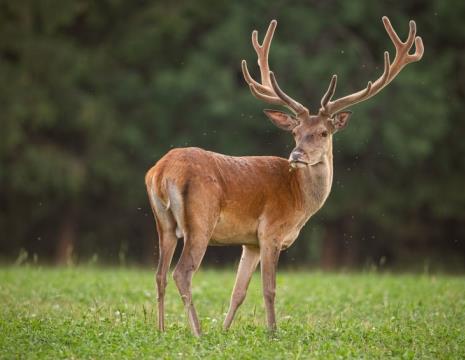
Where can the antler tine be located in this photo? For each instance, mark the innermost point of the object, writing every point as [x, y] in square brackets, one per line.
[269, 36]
[411, 34]
[261, 96]
[249, 80]
[263, 50]
[419, 50]
[391, 70]
[391, 32]
[268, 90]
[290, 102]
[329, 93]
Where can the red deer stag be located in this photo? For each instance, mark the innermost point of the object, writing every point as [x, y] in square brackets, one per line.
[259, 202]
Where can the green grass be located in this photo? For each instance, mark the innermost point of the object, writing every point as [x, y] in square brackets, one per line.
[110, 313]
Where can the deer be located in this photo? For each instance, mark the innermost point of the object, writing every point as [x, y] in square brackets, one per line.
[258, 202]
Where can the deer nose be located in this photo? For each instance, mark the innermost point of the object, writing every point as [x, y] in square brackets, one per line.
[296, 155]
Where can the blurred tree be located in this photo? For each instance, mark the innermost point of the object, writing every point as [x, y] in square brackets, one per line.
[96, 91]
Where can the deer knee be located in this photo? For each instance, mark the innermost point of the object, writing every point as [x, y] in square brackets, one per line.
[177, 276]
[239, 297]
[269, 294]
[161, 281]
[180, 277]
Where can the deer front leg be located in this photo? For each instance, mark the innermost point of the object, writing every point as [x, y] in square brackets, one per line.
[269, 255]
[249, 260]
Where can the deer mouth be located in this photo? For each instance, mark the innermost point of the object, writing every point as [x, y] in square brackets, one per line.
[298, 164]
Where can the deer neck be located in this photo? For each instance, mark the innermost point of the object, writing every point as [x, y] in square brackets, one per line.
[315, 182]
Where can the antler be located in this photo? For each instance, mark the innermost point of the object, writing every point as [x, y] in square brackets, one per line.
[401, 59]
[268, 90]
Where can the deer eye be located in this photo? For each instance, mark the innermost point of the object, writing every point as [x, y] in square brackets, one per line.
[324, 133]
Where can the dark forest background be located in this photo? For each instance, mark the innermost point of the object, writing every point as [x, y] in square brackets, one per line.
[93, 93]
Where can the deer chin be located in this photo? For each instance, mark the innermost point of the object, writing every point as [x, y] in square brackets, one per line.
[316, 163]
[297, 164]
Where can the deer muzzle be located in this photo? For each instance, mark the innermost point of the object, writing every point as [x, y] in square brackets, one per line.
[297, 159]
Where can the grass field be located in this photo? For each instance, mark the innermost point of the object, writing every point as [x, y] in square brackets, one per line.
[110, 313]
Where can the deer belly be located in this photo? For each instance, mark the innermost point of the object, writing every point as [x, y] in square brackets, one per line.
[235, 230]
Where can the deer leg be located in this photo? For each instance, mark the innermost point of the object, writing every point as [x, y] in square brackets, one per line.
[189, 262]
[269, 255]
[249, 260]
[167, 246]
[166, 226]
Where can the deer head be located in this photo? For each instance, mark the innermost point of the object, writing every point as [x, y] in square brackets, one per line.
[313, 132]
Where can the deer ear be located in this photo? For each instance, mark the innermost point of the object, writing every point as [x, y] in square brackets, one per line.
[281, 119]
[340, 120]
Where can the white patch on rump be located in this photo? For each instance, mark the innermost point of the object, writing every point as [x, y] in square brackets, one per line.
[174, 204]
[177, 207]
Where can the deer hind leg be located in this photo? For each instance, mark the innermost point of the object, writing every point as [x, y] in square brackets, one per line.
[249, 260]
[166, 226]
[198, 221]
[191, 257]
[167, 246]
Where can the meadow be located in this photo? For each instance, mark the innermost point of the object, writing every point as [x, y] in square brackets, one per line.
[105, 313]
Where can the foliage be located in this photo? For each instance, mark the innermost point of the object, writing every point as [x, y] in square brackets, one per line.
[109, 313]
[96, 91]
